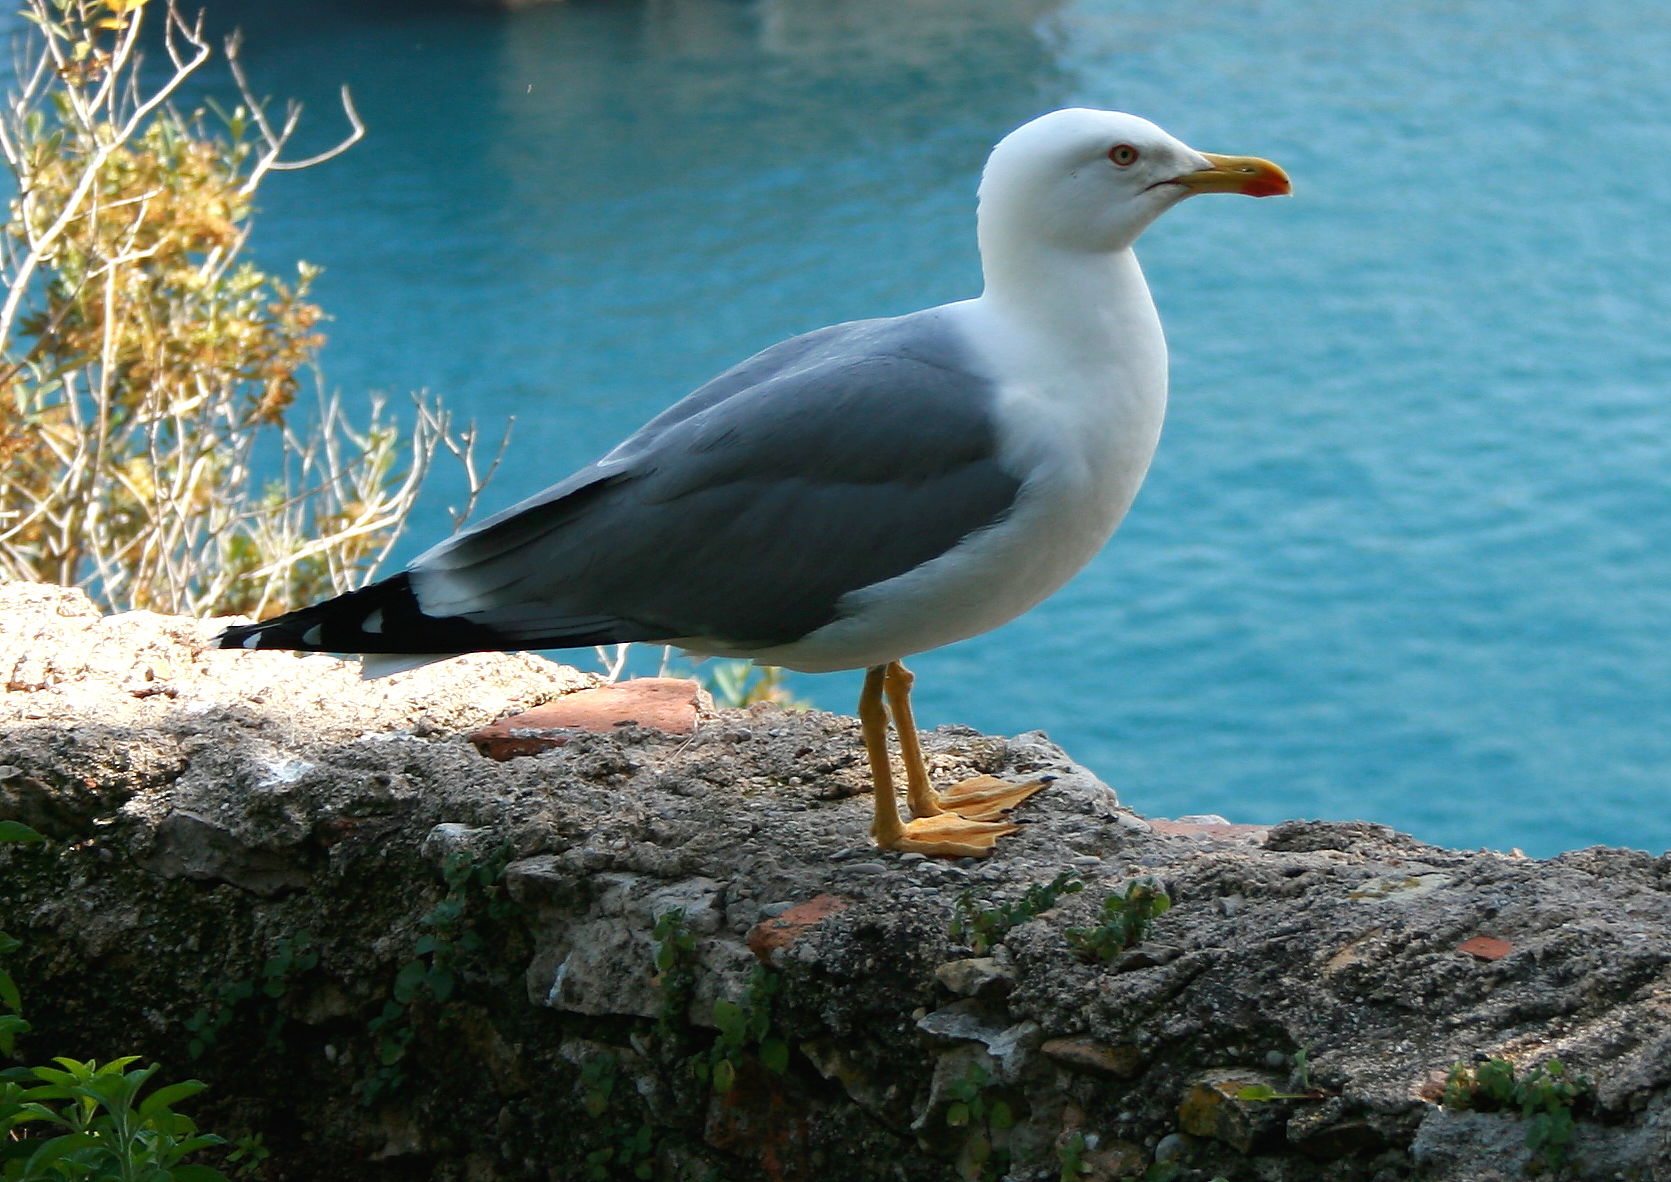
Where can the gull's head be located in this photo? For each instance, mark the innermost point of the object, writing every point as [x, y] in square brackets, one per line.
[1091, 181]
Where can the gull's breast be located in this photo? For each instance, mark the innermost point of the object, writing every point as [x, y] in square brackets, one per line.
[1078, 429]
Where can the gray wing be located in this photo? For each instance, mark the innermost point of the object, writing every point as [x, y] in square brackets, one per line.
[746, 511]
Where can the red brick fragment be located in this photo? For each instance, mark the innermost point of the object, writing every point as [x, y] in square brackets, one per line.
[666, 703]
[1486, 947]
[1215, 831]
[780, 931]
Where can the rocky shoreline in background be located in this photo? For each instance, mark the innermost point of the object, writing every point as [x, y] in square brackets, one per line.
[645, 953]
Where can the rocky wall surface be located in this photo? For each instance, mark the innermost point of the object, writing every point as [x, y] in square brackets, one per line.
[676, 955]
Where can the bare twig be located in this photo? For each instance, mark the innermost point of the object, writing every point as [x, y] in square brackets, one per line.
[276, 140]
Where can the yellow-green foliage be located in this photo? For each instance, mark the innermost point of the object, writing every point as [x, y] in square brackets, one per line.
[146, 367]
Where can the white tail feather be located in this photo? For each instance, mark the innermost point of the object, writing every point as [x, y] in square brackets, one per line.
[382, 664]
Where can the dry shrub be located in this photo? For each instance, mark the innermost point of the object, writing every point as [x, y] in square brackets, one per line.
[148, 371]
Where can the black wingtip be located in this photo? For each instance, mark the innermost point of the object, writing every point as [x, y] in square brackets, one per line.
[386, 619]
[303, 630]
[276, 633]
[237, 635]
[382, 618]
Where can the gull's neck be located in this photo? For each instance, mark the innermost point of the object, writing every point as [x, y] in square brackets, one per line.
[1088, 304]
[1081, 359]
[1078, 364]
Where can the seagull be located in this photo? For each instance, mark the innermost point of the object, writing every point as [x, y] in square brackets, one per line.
[860, 493]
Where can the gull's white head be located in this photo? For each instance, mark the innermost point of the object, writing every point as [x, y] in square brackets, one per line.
[1087, 181]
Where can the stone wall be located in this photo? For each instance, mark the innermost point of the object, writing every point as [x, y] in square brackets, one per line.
[676, 956]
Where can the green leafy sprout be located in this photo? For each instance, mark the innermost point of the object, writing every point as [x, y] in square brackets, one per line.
[982, 927]
[745, 1029]
[87, 1121]
[1126, 920]
[1545, 1097]
[629, 1148]
[474, 888]
[104, 1130]
[976, 1106]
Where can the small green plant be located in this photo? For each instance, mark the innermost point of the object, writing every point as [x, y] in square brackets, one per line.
[17, 833]
[12, 1022]
[1258, 1092]
[982, 927]
[249, 1156]
[976, 1107]
[597, 1083]
[631, 1156]
[628, 1148]
[1070, 1155]
[1545, 1096]
[1301, 1078]
[745, 1029]
[208, 1020]
[391, 1033]
[676, 974]
[449, 938]
[102, 1129]
[292, 955]
[1126, 920]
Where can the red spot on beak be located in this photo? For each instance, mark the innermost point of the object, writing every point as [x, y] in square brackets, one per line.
[1268, 186]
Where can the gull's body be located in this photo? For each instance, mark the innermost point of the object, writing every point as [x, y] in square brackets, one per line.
[861, 493]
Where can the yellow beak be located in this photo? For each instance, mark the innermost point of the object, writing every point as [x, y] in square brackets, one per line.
[1247, 175]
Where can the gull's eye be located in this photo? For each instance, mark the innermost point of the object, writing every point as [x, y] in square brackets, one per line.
[1123, 154]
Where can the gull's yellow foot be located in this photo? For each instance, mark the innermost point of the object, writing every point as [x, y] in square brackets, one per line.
[957, 823]
[982, 798]
[948, 836]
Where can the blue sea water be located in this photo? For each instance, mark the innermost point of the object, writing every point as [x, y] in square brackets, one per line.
[1404, 552]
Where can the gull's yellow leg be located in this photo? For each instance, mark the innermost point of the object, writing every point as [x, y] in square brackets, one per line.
[979, 798]
[935, 830]
[897, 683]
[952, 836]
[886, 827]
